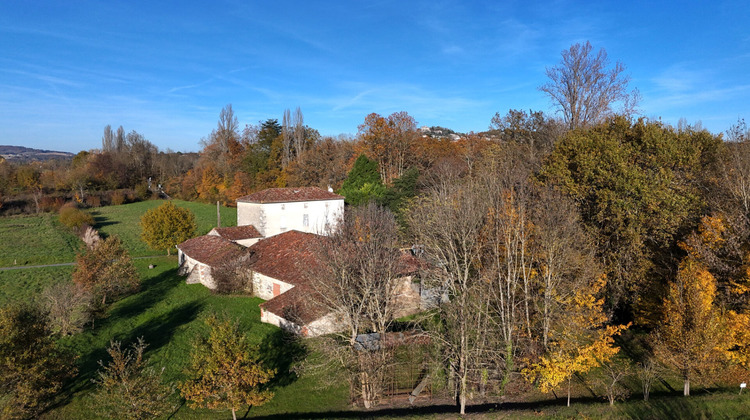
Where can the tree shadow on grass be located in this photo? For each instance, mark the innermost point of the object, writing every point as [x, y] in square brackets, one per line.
[101, 221]
[156, 332]
[279, 350]
[153, 291]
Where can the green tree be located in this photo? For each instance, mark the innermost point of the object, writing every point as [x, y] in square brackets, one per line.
[638, 188]
[363, 183]
[32, 367]
[106, 271]
[226, 371]
[166, 226]
[127, 389]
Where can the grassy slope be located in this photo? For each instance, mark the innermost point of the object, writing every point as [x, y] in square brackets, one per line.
[167, 312]
[34, 240]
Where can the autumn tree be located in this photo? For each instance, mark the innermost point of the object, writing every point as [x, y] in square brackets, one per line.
[693, 337]
[579, 342]
[532, 128]
[166, 226]
[106, 271]
[389, 141]
[33, 368]
[69, 306]
[585, 89]
[225, 370]
[127, 388]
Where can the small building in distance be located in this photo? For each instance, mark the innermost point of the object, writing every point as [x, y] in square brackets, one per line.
[277, 210]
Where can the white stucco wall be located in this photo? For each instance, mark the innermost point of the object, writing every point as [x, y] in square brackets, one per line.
[274, 218]
[263, 286]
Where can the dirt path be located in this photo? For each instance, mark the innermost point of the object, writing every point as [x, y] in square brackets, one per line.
[21, 267]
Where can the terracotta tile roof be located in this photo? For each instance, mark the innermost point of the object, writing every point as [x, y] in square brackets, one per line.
[296, 305]
[287, 256]
[236, 233]
[286, 195]
[211, 250]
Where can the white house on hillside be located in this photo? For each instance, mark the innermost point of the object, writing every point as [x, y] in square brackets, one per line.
[277, 210]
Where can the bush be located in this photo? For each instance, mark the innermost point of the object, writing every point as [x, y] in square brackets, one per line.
[93, 201]
[74, 218]
[118, 198]
[51, 204]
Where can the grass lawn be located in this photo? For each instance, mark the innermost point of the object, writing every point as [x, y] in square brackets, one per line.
[35, 240]
[169, 315]
[124, 220]
[28, 283]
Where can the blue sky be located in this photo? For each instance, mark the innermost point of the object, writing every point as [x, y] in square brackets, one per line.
[165, 69]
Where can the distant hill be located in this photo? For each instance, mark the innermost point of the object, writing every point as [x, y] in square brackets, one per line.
[25, 154]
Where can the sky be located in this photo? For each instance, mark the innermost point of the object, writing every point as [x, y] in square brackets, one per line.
[166, 69]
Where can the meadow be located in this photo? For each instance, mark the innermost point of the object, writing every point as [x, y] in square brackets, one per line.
[169, 315]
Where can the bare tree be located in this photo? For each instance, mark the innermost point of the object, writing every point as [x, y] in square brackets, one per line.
[584, 88]
[69, 307]
[448, 222]
[286, 135]
[564, 253]
[108, 139]
[299, 132]
[357, 280]
[507, 255]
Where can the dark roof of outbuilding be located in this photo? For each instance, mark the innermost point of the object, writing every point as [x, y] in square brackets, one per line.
[297, 305]
[287, 195]
[211, 250]
[236, 233]
[288, 256]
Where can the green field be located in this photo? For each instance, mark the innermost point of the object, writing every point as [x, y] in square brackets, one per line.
[123, 221]
[34, 240]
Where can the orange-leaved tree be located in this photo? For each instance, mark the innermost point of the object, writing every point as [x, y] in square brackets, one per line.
[693, 337]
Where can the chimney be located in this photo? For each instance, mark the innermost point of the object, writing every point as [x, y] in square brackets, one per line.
[330, 190]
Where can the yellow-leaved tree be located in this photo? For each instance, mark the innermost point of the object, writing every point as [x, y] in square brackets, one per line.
[693, 337]
[226, 370]
[578, 343]
[166, 226]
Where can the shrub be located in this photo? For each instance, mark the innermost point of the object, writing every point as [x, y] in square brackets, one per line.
[93, 201]
[74, 218]
[117, 198]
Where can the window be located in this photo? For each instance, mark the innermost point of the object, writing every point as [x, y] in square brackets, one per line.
[305, 220]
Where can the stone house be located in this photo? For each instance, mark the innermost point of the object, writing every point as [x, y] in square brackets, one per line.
[197, 257]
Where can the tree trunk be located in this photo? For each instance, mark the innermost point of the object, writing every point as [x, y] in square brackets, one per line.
[686, 387]
[569, 389]
[234, 415]
[462, 400]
